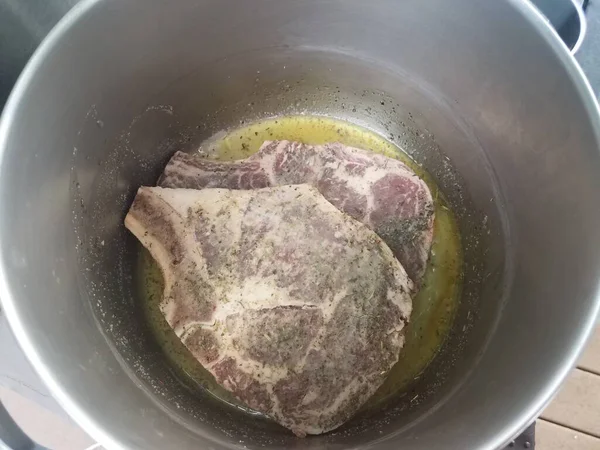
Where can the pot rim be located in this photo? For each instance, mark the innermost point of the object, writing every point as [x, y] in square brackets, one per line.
[95, 430]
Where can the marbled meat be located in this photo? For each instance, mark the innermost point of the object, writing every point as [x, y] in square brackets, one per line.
[381, 192]
[292, 305]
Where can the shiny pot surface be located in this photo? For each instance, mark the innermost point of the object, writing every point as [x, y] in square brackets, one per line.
[482, 94]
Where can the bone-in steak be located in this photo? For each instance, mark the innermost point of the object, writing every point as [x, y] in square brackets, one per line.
[292, 305]
[381, 192]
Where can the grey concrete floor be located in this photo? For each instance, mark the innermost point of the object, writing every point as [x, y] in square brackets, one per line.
[45, 427]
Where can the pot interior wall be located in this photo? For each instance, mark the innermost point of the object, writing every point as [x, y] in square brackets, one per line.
[247, 88]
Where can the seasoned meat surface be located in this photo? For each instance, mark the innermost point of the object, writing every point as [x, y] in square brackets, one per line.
[296, 308]
[381, 192]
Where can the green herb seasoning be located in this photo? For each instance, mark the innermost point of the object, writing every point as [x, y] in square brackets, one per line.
[433, 307]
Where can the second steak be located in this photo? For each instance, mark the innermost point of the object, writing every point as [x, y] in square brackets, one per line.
[381, 192]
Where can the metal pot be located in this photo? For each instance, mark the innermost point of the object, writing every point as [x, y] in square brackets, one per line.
[482, 94]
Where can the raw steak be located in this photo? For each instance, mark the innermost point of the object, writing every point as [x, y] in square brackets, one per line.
[293, 306]
[381, 192]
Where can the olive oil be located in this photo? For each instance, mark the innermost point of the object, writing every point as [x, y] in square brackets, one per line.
[433, 307]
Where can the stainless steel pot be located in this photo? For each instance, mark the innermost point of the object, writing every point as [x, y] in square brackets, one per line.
[482, 94]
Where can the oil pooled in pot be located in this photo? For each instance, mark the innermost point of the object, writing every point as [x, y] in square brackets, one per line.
[433, 307]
